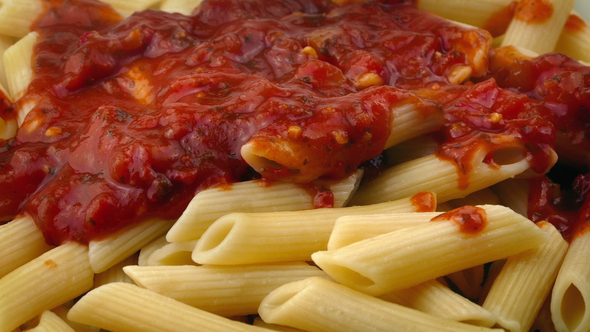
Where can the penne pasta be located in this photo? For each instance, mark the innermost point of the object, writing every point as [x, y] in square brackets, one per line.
[19, 71]
[514, 193]
[435, 299]
[175, 253]
[571, 293]
[480, 197]
[147, 250]
[20, 242]
[184, 7]
[538, 18]
[17, 16]
[115, 273]
[488, 14]
[352, 229]
[134, 309]
[574, 40]
[410, 117]
[66, 273]
[247, 238]
[128, 7]
[108, 252]
[222, 290]
[438, 175]
[50, 322]
[520, 289]
[252, 196]
[274, 327]
[328, 306]
[407, 257]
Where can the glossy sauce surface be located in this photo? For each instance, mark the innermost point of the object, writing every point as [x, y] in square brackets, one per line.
[135, 116]
[470, 219]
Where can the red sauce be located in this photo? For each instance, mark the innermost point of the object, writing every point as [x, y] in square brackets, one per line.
[561, 86]
[575, 24]
[470, 219]
[145, 112]
[424, 202]
[566, 209]
[534, 11]
[499, 22]
[486, 117]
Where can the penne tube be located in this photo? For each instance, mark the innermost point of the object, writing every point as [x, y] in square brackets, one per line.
[514, 193]
[184, 7]
[222, 290]
[115, 273]
[50, 322]
[247, 238]
[5, 43]
[128, 7]
[147, 250]
[410, 118]
[20, 242]
[409, 123]
[62, 312]
[435, 299]
[351, 229]
[106, 253]
[409, 150]
[17, 16]
[175, 253]
[526, 279]
[66, 274]
[467, 282]
[570, 299]
[493, 271]
[17, 61]
[134, 309]
[253, 196]
[543, 320]
[407, 257]
[538, 18]
[327, 306]
[480, 13]
[274, 327]
[440, 176]
[574, 40]
[480, 197]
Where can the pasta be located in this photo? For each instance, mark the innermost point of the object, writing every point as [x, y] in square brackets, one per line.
[518, 293]
[223, 290]
[386, 263]
[314, 296]
[166, 164]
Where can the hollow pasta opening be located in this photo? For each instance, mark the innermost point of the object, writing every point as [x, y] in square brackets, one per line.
[351, 276]
[215, 235]
[508, 155]
[280, 298]
[573, 307]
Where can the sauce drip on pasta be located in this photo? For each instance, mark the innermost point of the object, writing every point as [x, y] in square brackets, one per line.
[470, 219]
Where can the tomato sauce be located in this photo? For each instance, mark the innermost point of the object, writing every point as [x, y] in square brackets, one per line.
[575, 24]
[562, 87]
[135, 116]
[424, 202]
[534, 11]
[470, 219]
[499, 22]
